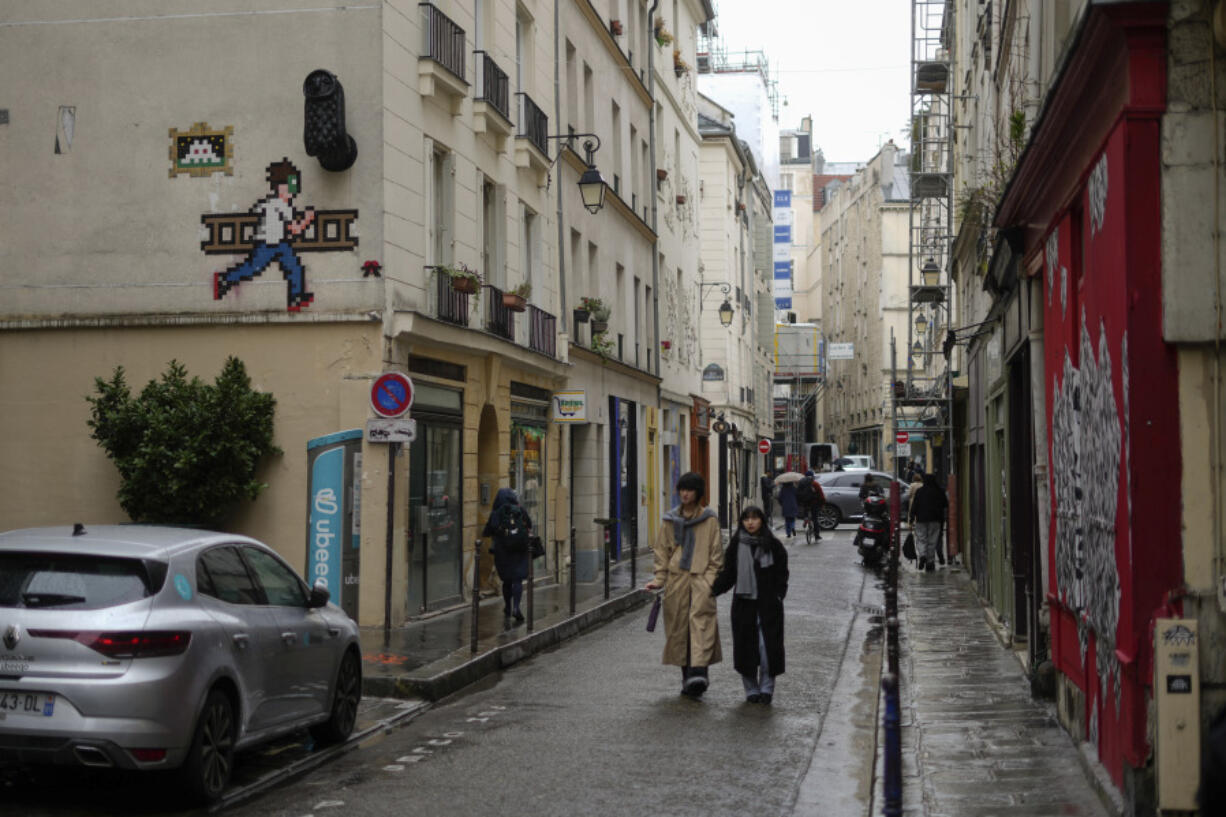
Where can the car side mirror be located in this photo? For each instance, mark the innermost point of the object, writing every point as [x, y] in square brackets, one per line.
[319, 596]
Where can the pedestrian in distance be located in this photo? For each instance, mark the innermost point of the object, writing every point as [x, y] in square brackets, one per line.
[688, 557]
[768, 493]
[928, 508]
[756, 570]
[870, 486]
[509, 527]
[789, 506]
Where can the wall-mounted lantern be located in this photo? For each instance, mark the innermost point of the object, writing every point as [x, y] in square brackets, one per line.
[323, 130]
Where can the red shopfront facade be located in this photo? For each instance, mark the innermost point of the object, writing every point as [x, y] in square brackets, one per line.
[1087, 199]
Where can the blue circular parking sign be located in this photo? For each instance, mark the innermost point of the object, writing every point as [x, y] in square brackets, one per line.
[392, 394]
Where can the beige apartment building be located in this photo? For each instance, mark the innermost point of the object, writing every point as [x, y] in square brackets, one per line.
[156, 156]
[864, 257]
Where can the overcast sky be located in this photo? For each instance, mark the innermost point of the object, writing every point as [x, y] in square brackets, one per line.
[845, 62]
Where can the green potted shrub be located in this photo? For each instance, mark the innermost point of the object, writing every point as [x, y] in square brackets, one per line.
[598, 311]
[516, 299]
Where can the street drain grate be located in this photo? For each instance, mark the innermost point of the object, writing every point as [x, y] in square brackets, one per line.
[871, 609]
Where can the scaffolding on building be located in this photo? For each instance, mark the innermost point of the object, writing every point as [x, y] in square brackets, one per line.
[923, 400]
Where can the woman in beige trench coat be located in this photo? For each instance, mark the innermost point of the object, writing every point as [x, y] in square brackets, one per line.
[689, 553]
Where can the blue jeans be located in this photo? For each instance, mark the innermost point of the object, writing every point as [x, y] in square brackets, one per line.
[261, 257]
[765, 682]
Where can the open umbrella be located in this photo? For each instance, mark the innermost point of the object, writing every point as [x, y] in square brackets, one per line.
[789, 476]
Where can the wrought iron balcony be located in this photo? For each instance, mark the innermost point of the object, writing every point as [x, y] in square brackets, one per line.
[499, 320]
[492, 85]
[542, 331]
[452, 305]
[444, 40]
[533, 124]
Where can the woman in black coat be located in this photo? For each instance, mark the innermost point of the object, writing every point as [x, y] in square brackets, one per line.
[510, 562]
[756, 570]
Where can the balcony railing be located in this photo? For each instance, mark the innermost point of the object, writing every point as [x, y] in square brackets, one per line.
[542, 331]
[493, 85]
[499, 320]
[444, 40]
[539, 332]
[452, 305]
[533, 124]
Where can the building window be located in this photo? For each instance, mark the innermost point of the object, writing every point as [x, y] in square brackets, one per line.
[440, 226]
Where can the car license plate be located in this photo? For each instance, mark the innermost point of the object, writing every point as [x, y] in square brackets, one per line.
[40, 704]
[868, 540]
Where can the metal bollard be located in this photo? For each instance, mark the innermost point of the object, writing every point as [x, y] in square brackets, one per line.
[606, 563]
[891, 644]
[531, 592]
[892, 781]
[476, 593]
[572, 571]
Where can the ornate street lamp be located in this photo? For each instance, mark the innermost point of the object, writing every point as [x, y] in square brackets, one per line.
[725, 313]
[591, 184]
[921, 324]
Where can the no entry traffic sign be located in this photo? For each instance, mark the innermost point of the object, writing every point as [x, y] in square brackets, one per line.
[391, 395]
[902, 437]
[764, 446]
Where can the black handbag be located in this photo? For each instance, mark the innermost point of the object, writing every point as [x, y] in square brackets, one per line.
[908, 546]
[535, 547]
[654, 615]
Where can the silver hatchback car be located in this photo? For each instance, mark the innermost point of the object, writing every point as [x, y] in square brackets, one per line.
[141, 647]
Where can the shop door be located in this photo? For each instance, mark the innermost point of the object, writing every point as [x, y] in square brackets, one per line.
[435, 504]
[527, 477]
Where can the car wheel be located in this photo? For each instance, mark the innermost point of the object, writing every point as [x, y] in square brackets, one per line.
[828, 517]
[345, 700]
[206, 772]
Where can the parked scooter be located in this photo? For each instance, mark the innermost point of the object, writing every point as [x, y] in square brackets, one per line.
[873, 538]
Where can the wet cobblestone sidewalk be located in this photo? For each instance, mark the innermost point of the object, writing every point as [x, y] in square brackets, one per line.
[975, 743]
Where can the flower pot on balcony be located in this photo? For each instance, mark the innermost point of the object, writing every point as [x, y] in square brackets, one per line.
[681, 199]
[666, 345]
[463, 284]
[513, 302]
[599, 326]
[661, 174]
[615, 27]
[581, 315]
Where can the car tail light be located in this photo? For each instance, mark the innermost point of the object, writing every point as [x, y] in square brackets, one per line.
[136, 644]
[148, 755]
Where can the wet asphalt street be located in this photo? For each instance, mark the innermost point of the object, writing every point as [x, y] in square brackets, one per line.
[596, 726]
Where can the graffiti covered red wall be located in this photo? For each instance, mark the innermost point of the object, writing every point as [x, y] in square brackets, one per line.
[1113, 430]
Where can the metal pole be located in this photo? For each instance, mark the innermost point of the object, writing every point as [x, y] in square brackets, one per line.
[476, 593]
[392, 450]
[572, 571]
[531, 583]
[634, 565]
[606, 562]
[892, 782]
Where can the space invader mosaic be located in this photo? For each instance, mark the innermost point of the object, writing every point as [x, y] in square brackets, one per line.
[202, 151]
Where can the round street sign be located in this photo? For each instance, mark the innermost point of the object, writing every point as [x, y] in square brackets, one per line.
[902, 437]
[764, 446]
[391, 395]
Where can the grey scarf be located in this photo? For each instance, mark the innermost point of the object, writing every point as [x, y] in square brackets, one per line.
[683, 532]
[750, 549]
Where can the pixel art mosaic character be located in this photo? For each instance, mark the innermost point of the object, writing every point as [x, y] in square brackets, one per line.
[278, 222]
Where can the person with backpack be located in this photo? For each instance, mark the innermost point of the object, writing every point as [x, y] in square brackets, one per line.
[510, 528]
